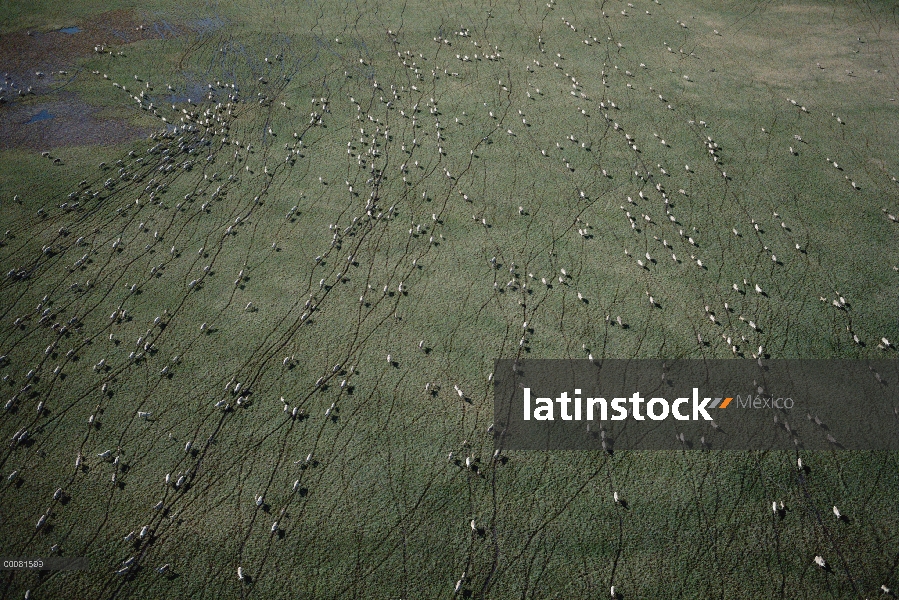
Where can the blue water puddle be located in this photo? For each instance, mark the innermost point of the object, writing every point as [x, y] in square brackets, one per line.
[70, 30]
[207, 24]
[162, 28]
[41, 116]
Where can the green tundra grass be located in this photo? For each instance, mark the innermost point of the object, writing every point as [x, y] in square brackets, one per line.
[300, 190]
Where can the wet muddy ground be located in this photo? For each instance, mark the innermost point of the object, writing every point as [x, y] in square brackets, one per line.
[39, 66]
[63, 120]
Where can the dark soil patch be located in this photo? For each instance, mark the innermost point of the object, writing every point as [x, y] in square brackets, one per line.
[43, 61]
[24, 53]
[73, 123]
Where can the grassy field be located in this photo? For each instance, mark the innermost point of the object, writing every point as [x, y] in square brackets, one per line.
[350, 210]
